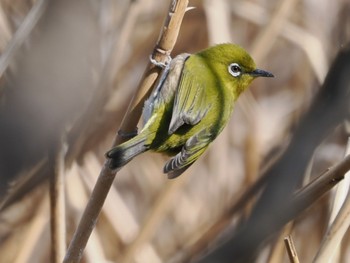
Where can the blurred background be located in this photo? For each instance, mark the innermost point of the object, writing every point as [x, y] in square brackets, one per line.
[71, 67]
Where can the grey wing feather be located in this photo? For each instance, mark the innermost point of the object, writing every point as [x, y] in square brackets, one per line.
[194, 147]
[190, 104]
[166, 87]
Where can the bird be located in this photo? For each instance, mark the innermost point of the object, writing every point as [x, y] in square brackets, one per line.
[190, 106]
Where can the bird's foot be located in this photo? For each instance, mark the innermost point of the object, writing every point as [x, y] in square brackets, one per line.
[161, 64]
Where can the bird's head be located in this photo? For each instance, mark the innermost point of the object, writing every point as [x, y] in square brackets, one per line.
[233, 66]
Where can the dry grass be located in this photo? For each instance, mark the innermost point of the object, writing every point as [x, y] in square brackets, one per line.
[76, 71]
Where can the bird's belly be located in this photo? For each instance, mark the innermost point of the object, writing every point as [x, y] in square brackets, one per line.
[172, 144]
[213, 122]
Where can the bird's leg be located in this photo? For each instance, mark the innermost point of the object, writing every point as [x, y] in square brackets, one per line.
[164, 65]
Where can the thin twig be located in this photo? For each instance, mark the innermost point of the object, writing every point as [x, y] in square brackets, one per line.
[57, 202]
[292, 253]
[166, 43]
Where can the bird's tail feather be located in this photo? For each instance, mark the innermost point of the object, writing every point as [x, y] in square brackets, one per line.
[125, 152]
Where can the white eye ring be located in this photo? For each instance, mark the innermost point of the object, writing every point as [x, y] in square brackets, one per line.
[234, 69]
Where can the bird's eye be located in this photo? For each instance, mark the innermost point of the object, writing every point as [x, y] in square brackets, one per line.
[234, 69]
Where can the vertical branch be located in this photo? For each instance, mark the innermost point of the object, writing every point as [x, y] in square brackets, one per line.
[163, 48]
[57, 203]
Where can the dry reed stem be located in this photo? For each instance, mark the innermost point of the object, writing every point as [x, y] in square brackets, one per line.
[319, 186]
[106, 80]
[163, 48]
[251, 234]
[15, 189]
[339, 222]
[37, 226]
[307, 42]
[122, 220]
[166, 43]
[277, 252]
[76, 198]
[218, 21]
[291, 251]
[238, 205]
[277, 205]
[75, 136]
[300, 200]
[219, 31]
[259, 50]
[22, 34]
[152, 221]
[261, 46]
[264, 42]
[57, 202]
[341, 192]
[5, 30]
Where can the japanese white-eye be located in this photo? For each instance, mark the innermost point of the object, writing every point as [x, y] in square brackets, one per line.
[190, 106]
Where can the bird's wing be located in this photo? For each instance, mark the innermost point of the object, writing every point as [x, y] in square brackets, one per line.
[166, 87]
[193, 148]
[191, 103]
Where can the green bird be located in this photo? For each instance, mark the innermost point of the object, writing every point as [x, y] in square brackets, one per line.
[190, 106]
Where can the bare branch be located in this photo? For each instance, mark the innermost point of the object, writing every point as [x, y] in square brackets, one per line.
[163, 47]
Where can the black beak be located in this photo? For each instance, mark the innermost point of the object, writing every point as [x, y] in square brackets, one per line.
[261, 73]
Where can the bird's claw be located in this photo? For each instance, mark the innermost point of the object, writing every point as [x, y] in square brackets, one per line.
[159, 63]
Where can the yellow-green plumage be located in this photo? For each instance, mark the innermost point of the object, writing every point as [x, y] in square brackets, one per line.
[187, 112]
